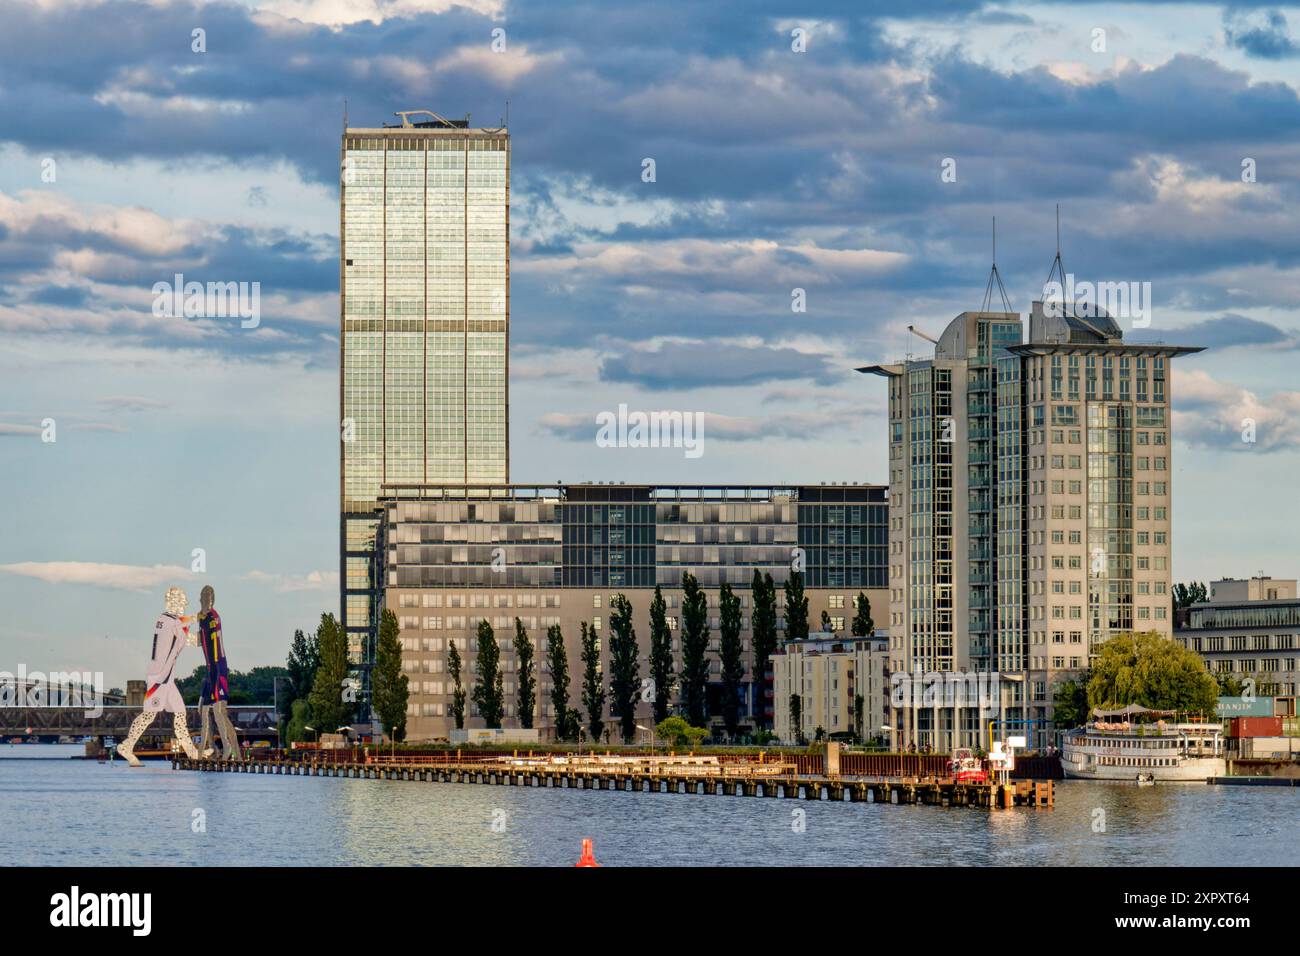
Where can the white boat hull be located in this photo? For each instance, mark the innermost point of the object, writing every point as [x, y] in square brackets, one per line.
[1192, 770]
[1163, 753]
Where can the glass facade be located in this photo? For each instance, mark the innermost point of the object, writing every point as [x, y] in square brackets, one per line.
[635, 537]
[1110, 520]
[424, 292]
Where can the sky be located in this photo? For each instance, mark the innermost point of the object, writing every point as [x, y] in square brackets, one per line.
[856, 151]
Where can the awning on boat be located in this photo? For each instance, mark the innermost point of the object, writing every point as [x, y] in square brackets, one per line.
[1127, 710]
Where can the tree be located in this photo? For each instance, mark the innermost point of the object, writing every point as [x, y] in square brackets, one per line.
[623, 666]
[457, 688]
[763, 626]
[304, 658]
[557, 663]
[1070, 703]
[329, 707]
[675, 732]
[796, 608]
[389, 686]
[863, 625]
[859, 705]
[796, 718]
[299, 721]
[489, 684]
[661, 656]
[251, 687]
[695, 644]
[730, 649]
[1154, 671]
[826, 621]
[525, 675]
[1185, 595]
[593, 691]
[1229, 684]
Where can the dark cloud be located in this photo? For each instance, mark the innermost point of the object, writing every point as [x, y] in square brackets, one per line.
[68, 296]
[705, 365]
[752, 143]
[1228, 331]
[1266, 36]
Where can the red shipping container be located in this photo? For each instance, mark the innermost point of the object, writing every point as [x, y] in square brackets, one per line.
[1255, 727]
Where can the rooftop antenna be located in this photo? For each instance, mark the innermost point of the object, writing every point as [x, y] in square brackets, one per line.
[345, 114]
[995, 276]
[1057, 266]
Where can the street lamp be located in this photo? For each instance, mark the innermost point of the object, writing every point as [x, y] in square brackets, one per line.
[650, 731]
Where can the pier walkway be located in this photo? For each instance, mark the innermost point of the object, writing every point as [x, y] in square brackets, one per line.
[651, 775]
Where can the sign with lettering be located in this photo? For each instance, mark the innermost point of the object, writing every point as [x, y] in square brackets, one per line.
[1245, 707]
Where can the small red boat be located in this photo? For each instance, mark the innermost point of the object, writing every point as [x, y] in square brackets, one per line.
[965, 767]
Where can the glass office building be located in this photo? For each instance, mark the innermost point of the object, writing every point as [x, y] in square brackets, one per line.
[450, 557]
[424, 324]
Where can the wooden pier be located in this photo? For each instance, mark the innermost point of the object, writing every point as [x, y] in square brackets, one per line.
[730, 780]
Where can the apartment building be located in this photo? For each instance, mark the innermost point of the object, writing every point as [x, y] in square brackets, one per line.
[831, 676]
[1029, 510]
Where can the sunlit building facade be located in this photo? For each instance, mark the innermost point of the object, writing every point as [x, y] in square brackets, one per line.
[1029, 511]
[424, 325]
[557, 555]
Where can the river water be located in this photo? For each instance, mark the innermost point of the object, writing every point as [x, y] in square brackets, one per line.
[57, 811]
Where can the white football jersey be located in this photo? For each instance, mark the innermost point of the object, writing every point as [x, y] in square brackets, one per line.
[161, 692]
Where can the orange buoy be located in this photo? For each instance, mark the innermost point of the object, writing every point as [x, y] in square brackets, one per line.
[588, 857]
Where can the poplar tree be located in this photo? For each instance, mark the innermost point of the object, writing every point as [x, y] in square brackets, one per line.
[763, 626]
[389, 686]
[458, 689]
[623, 666]
[557, 662]
[695, 643]
[729, 650]
[863, 625]
[593, 691]
[661, 656]
[330, 708]
[796, 608]
[524, 674]
[489, 691]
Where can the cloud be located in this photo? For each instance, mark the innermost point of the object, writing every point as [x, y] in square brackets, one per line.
[796, 425]
[287, 583]
[14, 430]
[1227, 331]
[337, 13]
[122, 577]
[1264, 35]
[1218, 414]
[131, 403]
[701, 364]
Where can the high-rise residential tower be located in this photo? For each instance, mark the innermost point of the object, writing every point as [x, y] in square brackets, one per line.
[1029, 512]
[424, 270]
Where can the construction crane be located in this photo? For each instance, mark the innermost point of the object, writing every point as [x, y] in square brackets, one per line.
[915, 331]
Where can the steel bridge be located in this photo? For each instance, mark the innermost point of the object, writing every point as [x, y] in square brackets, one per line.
[115, 720]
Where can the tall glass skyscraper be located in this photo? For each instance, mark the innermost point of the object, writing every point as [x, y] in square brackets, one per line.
[424, 280]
